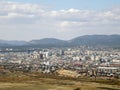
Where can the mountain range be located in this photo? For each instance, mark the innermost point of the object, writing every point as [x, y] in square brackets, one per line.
[89, 40]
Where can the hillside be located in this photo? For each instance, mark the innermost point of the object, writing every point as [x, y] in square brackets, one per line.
[89, 40]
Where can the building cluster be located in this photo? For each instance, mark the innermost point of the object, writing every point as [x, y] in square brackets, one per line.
[82, 60]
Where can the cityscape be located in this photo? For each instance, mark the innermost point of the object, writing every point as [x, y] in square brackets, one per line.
[82, 60]
[73, 62]
[60, 45]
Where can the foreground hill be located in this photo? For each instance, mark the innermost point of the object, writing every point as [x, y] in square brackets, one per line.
[40, 81]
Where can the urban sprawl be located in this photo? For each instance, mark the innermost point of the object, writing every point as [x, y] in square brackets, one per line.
[69, 62]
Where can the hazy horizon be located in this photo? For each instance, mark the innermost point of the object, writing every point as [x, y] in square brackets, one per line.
[55, 38]
[28, 20]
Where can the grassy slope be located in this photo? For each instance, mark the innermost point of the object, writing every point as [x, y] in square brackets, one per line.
[44, 82]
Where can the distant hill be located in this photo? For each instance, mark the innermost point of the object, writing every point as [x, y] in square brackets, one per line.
[48, 42]
[93, 40]
[14, 42]
[90, 40]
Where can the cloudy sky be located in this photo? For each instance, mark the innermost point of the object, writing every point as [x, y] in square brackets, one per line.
[62, 19]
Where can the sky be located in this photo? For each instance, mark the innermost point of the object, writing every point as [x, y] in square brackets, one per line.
[62, 19]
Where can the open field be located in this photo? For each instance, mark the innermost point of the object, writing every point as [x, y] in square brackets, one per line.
[44, 82]
[56, 85]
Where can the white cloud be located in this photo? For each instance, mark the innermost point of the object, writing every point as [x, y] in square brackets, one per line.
[63, 24]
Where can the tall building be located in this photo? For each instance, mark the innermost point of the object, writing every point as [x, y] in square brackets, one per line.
[62, 52]
[41, 56]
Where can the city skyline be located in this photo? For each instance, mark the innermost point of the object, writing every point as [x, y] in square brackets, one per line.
[28, 19]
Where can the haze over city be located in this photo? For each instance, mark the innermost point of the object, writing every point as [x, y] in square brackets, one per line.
[62, 19]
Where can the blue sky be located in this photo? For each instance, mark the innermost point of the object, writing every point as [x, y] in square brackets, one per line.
[78, 4]
[62, 19]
